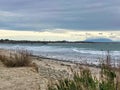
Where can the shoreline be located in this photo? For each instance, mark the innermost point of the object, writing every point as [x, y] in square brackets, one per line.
[72, 54]
[67, 61]
[61, 60]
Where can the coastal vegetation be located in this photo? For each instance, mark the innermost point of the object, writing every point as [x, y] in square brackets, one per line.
[83, 79]
[17, 58]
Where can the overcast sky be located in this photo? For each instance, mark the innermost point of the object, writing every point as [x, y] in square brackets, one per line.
[54, 15]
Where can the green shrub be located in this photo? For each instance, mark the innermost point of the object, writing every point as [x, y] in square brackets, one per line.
[108, 77]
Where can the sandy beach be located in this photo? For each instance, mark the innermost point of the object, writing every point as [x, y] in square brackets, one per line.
[27, 78]
[59, 45]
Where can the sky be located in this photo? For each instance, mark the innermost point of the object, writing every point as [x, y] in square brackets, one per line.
[59, 19]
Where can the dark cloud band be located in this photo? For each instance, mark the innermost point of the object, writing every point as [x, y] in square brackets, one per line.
[38, 15]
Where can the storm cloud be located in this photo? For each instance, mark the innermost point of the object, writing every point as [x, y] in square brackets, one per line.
[40, 15]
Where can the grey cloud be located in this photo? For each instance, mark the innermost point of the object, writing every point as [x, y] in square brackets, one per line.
[38, 15]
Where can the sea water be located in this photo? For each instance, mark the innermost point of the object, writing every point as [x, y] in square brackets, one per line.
[90, 53]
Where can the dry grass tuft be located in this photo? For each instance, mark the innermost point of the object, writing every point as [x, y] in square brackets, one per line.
[18, 58]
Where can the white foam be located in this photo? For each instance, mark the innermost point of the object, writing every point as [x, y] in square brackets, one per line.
[88, 51]
[96, 52]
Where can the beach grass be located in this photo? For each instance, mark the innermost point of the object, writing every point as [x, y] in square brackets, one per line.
[85, 81]
[17, 58]
[109, 79]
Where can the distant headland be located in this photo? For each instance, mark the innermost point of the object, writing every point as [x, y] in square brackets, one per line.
[98, 40]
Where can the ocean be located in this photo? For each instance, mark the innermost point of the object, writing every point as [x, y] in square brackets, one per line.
[90, 53]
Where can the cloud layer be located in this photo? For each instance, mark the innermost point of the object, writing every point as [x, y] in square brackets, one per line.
[59, 34]
[40, 15]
